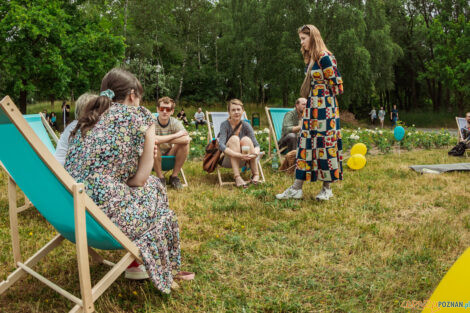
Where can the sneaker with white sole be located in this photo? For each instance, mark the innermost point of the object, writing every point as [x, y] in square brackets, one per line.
[136, 273]
[325, 194]
[290, 193]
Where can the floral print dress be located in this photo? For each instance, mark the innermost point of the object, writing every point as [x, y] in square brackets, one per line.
[104, 160]
[319, 146]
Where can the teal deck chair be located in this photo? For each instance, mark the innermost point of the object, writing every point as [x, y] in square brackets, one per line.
[275, 119]
[40, 126]
[73, 214]
[168, 163]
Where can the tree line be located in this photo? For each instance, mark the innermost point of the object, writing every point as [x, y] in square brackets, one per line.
[412, 53]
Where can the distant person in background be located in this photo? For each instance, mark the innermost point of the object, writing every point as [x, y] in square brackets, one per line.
[63, 144]
[291, 125]
[199, 118]
[65, 113]
[382, 116]
[373, 115]
[182, 116]
[394, 116]
[53, 120]
[46, 116]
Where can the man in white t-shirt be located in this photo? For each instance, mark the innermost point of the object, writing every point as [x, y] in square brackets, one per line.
[199, 117]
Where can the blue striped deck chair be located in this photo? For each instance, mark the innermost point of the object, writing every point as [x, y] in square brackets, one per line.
[275, 119]
[73, 214]
[44, 131]
[168, 163]
[215, 119]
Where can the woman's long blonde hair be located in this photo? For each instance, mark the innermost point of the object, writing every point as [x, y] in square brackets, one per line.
[317, 45]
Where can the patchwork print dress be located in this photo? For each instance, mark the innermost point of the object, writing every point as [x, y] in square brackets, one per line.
[104, 161]
[319, 146]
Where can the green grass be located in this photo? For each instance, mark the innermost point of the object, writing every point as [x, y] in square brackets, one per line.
[430, 119]
[388, 235]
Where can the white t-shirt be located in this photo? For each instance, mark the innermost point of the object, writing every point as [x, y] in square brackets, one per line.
[63, 144]
[199, 116]
[381, 114]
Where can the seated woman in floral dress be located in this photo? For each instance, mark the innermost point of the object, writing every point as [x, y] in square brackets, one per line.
[112, 152]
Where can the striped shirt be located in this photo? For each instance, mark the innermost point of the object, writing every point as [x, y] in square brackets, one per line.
[171, 128]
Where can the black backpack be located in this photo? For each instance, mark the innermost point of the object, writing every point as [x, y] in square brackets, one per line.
[458, 150]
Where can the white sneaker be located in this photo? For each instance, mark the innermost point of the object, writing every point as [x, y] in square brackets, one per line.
[325, 194]
[136, 273]
[290, 193]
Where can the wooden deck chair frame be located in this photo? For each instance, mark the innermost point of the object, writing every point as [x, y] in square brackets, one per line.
[82, 205]
[219, 174]
[272, 134]
[165, 172]
[27, 204]
[459, 134]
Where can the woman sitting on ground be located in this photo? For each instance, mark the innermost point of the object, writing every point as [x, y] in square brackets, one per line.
[112, 152]
[238, 143]
[63, 144]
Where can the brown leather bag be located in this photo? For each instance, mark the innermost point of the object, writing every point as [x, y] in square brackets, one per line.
[306, 85]
[289, 163]
[213, 154]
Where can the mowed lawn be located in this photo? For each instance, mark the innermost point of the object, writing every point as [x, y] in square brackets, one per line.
[388, 235]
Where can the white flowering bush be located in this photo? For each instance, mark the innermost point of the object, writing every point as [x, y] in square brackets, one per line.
[383, 139]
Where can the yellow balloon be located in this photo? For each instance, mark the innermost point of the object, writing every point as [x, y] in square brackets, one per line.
[357, 161]
[359, 148]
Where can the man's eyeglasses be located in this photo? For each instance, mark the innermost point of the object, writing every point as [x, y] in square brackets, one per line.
[166, 109]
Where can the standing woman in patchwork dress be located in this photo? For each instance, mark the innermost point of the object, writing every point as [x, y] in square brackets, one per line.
[111, 151]
[319, 146]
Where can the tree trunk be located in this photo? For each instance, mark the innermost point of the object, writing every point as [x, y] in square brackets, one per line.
[439, 97]
[183, 67]
[414, 94]
[23, 97]
[198, 51]
[216, 58]
[125, 26]
[263, 94]
[125, 19]
[52, 99]
[285, 94]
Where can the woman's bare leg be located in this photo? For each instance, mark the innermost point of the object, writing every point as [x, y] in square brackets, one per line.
[246, 141]
[234, 144]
